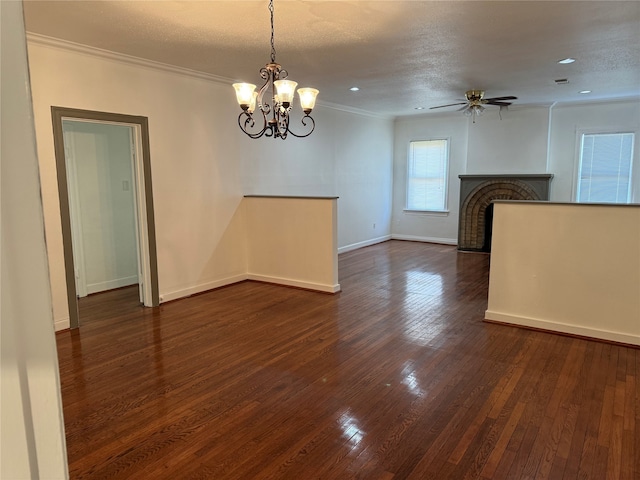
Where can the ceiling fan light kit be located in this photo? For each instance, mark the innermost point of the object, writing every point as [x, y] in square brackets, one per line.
[275, 115]
[475, 104]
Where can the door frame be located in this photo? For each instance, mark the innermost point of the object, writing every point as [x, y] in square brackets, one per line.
[145, 197]
[74, 214]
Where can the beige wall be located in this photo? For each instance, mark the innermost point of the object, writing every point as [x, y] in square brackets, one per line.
[293, 241]
[202, 164]
[195, 168]
[571, 268]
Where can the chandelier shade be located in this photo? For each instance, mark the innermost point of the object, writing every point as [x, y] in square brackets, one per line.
[265, 112]
[244, 93]
[307, 98]
[285, 90]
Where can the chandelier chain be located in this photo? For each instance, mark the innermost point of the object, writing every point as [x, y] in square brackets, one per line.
[273, 45]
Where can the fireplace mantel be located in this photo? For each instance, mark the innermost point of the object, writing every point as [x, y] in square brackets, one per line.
[477, 192]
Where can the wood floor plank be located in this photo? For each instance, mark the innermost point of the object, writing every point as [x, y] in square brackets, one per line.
[396, 377]
[614, 459]
[490, 466]
[581, 454]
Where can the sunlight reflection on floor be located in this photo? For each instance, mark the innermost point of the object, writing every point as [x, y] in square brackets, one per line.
[423, 301]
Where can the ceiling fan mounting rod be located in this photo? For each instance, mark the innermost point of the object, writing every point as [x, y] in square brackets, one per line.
[474, 95]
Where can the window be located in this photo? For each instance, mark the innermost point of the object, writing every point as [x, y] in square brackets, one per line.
[427, 175]
[604, 173]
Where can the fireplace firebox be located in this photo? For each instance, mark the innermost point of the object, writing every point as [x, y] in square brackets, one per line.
[477, 192]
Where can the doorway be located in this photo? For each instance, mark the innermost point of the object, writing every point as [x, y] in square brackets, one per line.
[100, 163]
[106, 204]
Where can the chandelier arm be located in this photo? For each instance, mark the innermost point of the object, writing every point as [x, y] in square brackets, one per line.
[249, 123]
[304, 122]
[264, 107]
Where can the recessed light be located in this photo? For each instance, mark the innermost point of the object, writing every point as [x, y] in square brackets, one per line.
[354, 89]
[418, 108]
[584, 92]
[566, 61]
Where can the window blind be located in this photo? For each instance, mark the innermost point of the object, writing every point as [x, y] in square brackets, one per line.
[427, 175]
[605, 168]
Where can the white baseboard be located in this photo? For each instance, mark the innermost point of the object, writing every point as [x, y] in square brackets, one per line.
[415, 238]
[62, 324]
[203, 287]
[295, 283]
[366, 243]
[627, 338]
[111, 284]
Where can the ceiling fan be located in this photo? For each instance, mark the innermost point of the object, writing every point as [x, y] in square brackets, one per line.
[474, 106]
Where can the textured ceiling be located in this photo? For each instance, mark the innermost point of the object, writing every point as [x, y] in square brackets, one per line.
[402, 54]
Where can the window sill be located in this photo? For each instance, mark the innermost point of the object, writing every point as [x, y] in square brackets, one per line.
[434, 213]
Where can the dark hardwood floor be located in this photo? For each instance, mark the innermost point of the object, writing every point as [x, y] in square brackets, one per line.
[396, 377]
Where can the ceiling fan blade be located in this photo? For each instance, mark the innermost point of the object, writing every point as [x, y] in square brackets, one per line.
[501, 104]
[450, 105]
[501, 98]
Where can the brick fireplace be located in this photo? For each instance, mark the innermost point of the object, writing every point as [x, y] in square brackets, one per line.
[477, 193]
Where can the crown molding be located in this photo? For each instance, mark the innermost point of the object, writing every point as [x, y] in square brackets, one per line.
[38, 39]
[47, 41]
[354, 110]
[598, 101]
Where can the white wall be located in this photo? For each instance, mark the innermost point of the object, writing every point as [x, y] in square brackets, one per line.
[567, 121]
[515, 144]
[571, 268]
[32, 443]
[526, 140]
[100, 157]
[202, 164]
[436, 227]
[348, 155]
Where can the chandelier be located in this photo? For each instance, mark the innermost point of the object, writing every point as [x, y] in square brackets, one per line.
[273, 101]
